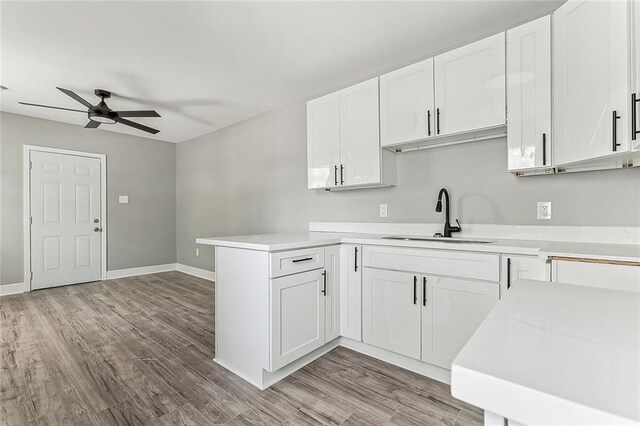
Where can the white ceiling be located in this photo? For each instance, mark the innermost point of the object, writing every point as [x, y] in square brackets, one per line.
[207, 65]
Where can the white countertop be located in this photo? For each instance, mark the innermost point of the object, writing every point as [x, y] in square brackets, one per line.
[292, 241]
[555, 354]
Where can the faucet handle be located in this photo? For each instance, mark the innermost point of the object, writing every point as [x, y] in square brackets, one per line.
[459, 226]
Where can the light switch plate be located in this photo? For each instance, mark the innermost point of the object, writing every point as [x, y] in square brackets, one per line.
[383, 210]
[544, 210]
[197, 252]
[123, 199]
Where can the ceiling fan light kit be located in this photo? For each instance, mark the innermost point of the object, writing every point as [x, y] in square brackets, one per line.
[101, 113]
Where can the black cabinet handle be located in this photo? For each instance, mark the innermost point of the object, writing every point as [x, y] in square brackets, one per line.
[355, 262]
[428, 122]
[437, 121]
[508, 273]
[335, 175]
[544, 149]
[615, 130]
[341, 174]
[424, 291]
[304, 259]
[324, 285]
[415, 290]
[634, 116]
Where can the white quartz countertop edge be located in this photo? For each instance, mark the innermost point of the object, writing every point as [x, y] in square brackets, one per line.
[543, 249]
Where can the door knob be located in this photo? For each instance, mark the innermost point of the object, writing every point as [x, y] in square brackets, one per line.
[96, 220]
[97, 229]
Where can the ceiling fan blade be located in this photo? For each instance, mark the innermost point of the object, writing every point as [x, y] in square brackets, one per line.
[92, 124]
[137, 126]
[54, 107]
[75, 96]
[141, 113]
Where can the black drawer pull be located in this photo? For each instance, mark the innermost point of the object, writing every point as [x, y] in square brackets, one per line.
[335, 175]
[415, 290]
[634, 116]
[508, 273]
[544, 149]
[428, 122]
[355, 262]
[324, 285]
[302, 260]
[615, 131]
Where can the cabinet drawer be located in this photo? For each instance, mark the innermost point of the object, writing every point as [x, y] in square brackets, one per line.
[292, 262]
[481, 266]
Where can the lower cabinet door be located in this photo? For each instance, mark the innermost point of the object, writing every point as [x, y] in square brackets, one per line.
[332, 293]
[351, 291]
[297, 316]
[391, 311]
[452, 311]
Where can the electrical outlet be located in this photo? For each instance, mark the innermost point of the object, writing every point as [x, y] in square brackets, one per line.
[383, 210]
[197, 252]
[123, 199]
[544, 210]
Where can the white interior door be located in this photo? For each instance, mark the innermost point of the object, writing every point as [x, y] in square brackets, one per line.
[65, 210]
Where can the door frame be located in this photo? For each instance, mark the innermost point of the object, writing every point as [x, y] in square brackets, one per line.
[26, 205]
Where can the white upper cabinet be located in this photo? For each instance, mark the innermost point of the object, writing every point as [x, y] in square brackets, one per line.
[470, 87]
[529, 95]
[635, 74]
[406, 104]
[590, 80]
[323, 141]
[360, 134]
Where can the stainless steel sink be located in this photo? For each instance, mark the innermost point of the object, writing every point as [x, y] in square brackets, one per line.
[437, 239]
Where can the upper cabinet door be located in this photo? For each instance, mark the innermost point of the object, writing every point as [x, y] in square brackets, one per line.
[406, 104]
[360, 134]
[470, 86]
[529, 95]
[590, 80]
[323, 141]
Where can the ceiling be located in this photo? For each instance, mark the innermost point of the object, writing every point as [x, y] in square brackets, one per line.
[207, 65]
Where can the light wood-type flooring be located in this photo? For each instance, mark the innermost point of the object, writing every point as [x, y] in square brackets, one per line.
[138, 351]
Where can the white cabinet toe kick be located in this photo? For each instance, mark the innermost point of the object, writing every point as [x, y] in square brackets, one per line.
[412, 307]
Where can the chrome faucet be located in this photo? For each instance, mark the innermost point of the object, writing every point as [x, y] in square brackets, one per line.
[448, 229]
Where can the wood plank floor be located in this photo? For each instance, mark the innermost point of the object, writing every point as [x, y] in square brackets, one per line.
[138, 351]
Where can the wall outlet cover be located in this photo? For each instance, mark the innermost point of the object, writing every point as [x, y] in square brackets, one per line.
[123, 199]
[383, 210]
[197, 252]
[544, 210]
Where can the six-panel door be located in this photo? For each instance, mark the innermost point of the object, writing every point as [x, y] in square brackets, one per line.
[390, 311]
[65, 211]
[360, 134]
[529, 95]
[470, 86]
[590, 80]
[407, 104]
[297, 316]
[452, 310]
[323, 141]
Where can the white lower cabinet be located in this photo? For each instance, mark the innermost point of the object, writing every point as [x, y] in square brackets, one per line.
[305, 310]
[597, 273]
[390, 311]
[524, 268]
[351, 291]
[297, 316]
[452, 310]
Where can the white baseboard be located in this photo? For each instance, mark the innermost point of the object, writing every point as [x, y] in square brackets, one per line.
[196, 272]
[9, 289]
[144, 270]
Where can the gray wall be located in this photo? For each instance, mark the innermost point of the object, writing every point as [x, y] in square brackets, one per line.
[251, 178]
[141, 233]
